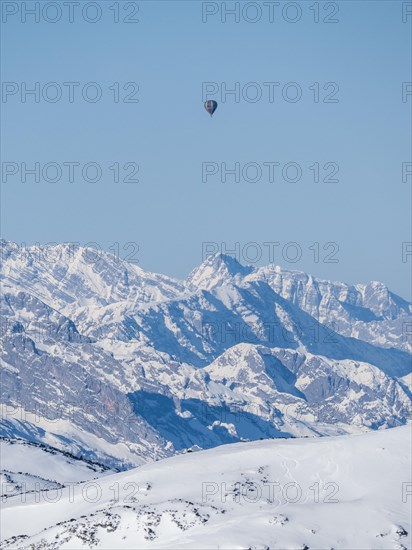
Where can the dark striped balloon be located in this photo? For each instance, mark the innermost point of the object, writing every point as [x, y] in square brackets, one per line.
[210, 106]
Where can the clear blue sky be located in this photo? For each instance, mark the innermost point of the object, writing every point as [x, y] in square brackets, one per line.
[170, 212]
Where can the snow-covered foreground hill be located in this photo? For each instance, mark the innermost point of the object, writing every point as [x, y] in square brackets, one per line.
[346, 492]
[32, 468]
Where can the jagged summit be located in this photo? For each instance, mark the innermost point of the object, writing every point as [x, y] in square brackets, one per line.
[216, 270]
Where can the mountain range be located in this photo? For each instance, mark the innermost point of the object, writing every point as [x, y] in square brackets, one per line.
[120, 366]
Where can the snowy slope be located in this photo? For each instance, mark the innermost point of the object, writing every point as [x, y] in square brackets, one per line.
[27, 467]
[64, 274]
[335, 492]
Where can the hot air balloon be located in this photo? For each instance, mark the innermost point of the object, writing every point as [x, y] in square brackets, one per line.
[210, 106]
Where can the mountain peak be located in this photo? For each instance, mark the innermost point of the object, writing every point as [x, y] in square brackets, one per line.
[216, 270]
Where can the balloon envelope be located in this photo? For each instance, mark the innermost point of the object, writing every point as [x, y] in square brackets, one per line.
[210, 106]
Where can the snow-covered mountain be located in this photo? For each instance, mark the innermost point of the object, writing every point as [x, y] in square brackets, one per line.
[342, 492]
[106, 361]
